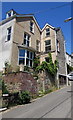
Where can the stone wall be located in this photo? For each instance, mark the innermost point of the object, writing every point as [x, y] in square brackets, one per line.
[20, 81]
[45, 81]
[61, 54]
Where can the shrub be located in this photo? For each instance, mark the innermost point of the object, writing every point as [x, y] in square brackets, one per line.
[4, 89]
[25, 97]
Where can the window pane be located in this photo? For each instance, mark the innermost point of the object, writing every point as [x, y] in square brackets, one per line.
[31, 55]
[22, 53]
[30, 63]
[48, 48]
[21, 61]
[31, 23]
[47, 59]
[25, 41]
[9, 30]
[28, 54]
[25, 35]
[31, 26]
[31, 29]
[47, 42]
[8, 37]
[47, 32]
[28, 43]
[27, 62]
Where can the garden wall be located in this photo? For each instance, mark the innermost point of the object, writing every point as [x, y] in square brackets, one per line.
[20, 81]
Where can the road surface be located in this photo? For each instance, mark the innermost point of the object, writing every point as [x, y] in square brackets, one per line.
[54, 105]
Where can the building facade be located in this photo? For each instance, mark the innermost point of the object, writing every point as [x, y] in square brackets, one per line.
[21, 38]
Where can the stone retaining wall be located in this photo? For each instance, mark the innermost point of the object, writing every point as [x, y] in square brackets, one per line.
[20, 81]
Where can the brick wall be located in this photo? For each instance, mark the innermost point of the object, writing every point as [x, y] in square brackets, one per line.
[16, 82]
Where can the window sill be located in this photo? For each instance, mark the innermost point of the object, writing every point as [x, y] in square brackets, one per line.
[47, 36]
[32, 32]
[7, 41]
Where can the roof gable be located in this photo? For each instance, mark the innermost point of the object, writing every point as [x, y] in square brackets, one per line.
[46, 26]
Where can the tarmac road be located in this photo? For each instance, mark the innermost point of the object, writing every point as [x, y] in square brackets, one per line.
[54, 105]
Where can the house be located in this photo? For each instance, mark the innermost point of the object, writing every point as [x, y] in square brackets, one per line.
[68, 59]
[21, 38]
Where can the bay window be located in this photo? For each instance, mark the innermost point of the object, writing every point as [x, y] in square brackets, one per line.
[26, 57]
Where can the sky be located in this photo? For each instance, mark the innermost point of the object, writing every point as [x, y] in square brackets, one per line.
[53, 13]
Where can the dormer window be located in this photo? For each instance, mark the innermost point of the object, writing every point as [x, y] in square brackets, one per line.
[10, 13]
[31, 27]
[47, 32]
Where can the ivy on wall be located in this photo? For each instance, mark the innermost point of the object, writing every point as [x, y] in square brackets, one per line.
[50, 67]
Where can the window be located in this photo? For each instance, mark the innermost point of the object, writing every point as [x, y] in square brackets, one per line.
[32, 27]
[58, 46]
[29, 58]
[47, 32]
[47, 59]
[37, 45]
[8, 34]
[26, 57]
[26, 39]
[21, 56]
[47, 45]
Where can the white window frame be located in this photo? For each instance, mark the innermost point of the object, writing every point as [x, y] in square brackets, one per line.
[25, 57]
[49, 45]
[32, 27]
[26, 39]
[8, 34]
[47, 32]
[38, 45]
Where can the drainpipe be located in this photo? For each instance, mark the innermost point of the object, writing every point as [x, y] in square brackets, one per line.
[65, 65]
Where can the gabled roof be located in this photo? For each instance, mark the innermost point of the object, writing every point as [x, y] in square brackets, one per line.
[20, 16]
[48, 26]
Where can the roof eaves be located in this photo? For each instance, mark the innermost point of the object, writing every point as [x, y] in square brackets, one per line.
[47, 25]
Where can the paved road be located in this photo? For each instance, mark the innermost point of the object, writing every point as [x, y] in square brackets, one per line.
[53, 105]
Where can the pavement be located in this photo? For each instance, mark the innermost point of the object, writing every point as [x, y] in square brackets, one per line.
[54, 105]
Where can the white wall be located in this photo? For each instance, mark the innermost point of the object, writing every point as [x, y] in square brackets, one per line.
[5, 48]
[68, 59]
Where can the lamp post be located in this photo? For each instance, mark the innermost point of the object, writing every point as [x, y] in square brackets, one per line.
[68, 19]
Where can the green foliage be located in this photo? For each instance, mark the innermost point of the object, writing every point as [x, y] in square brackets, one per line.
[26, 68]
[25, 97]
[36, 62]
[4, 89]
[0, 80]
[8, 67]
[49, 67]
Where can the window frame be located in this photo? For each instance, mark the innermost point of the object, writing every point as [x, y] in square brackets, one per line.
[49, 45]
[8, 38]
[26, 40]
[38, 45]
[47, 32]
[27, 58]
[32, 26]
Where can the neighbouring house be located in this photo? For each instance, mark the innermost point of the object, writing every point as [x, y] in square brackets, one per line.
[21, 38]
[68, 59]
[69, 62]
[72, 59]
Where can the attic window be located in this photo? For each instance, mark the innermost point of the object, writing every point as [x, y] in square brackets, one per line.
[47, 32]
[8, 34]
[31, 27]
